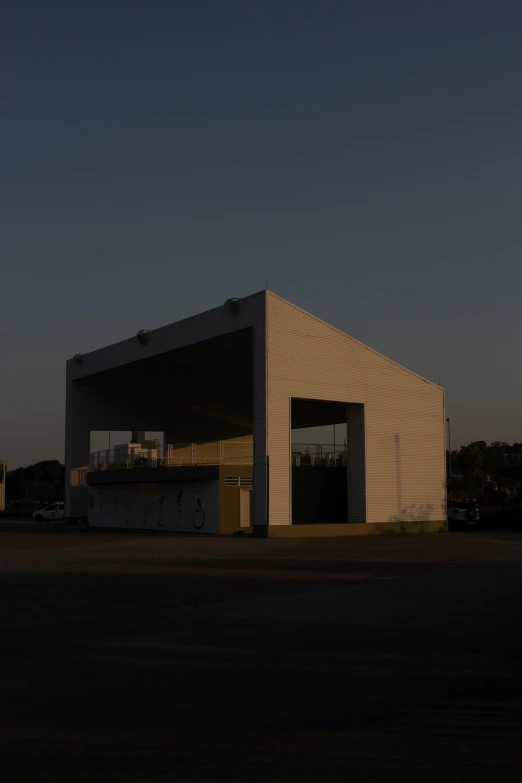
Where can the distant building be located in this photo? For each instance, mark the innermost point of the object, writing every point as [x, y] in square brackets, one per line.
[132, 451]
[227, 387]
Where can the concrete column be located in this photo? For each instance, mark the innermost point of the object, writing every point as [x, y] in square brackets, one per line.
[77, 443]
[261, 474]
[3, 471]
[356, 459]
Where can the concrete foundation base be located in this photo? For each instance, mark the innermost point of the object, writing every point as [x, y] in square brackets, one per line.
[365, 529]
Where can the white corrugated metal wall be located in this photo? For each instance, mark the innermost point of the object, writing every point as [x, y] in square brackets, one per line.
[259, 402]
[404, 415]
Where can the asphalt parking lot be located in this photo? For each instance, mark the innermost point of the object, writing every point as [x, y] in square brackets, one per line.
[142, 658]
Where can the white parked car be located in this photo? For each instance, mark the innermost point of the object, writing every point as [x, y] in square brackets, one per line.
[54, 511]
[465, 511]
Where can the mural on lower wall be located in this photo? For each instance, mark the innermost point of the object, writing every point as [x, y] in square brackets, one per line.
[198, 517]
[188, 507]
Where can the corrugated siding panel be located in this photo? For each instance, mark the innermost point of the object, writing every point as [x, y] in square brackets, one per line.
[259, 395]
[404, 415]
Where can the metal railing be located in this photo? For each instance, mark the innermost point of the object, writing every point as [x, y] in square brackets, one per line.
[218, 453]
[318, 455]
[174, 455]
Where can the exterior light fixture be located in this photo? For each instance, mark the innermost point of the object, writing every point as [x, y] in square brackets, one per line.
[233, 305]
[78, 358]
[143, 336]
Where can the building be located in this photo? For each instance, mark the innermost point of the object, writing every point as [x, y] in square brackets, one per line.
[229, 388]
[3, 473]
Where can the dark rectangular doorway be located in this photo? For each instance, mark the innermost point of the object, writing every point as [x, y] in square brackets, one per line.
[328, 462]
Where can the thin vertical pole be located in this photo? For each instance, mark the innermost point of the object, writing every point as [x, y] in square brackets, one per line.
[449, 445]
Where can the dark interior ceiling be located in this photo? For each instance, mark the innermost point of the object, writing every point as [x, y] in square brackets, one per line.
[317, 413]
[224, 361]
[211, 380]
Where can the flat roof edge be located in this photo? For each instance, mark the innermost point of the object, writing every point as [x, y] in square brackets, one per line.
[158, 329]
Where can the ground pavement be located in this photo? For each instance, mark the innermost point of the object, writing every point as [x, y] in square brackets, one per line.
[167, 658]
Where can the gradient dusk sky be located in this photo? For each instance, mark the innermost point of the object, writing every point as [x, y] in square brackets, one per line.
[363, 158]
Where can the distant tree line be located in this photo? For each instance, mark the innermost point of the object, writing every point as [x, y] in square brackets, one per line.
[35, 485]
[491, 473]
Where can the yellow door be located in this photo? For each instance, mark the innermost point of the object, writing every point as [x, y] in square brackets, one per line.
[244, 507]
